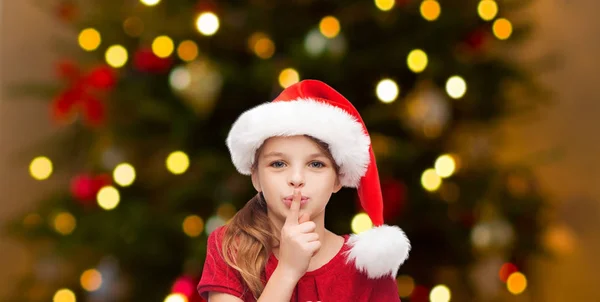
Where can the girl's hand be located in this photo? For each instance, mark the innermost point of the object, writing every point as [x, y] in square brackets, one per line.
[298, 242]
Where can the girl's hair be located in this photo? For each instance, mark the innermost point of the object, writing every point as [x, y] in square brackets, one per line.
[249, 236]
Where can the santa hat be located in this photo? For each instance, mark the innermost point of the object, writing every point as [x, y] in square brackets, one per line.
[313, 108]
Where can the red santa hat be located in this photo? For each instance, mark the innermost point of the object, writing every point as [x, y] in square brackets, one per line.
[313, 108]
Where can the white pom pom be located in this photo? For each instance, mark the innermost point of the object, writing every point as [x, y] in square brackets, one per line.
[379, 252]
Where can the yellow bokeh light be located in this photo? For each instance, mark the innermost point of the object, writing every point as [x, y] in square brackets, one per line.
[178, 162]
[91, 280]
[516, 283]
[89, 39]
[133, 26]
[445, 165]
[361, 222]
[193, 225]
[226, 211]
[456, 87]
[430, 180]
[502, 29]
[108, 198]
[387, 90]
[487, 9]
[440, 293]
[187, 50]
[176, 297]
[261, 45]
[150, 2]
[124, 174]
[406, 285]
[64, 295]
[207, 23]
[162, 46]
[430, 10]
[116, 56]
[288, 77]
[64, 223]
[329, 27]
[385, 5]
[40, 168]
[417, 60]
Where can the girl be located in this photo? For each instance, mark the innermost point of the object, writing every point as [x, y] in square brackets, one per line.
[299, 149]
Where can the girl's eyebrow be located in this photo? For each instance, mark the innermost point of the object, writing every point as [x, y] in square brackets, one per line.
[279, 154]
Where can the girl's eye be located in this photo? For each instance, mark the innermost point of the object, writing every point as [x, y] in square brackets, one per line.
[317, 164]
[277, 164]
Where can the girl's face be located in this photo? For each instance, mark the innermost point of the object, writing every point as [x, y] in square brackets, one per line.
[286, 163]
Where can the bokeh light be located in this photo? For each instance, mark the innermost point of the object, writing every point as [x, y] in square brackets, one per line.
[417, 60]
[261, 45]
[487, 9]
[456, 87]
[207, 23]
[64, 223]
[360, 223]
[406, 285]
[288, 77]
[150, 2]
[163, 46]
[440, 293]
[187, 50]
[329, 27]
[116, 56]
[40, 168]
[108, 197]
[502, 29]
[385, 5]
[178, 162]
[176, 297]
[387, 90]
[430, 10]
[64, 295]
[193, 225]
[445, 165]
[89, 39]
[430, 180]
[91, 280]
[124, 174]
[516, 283]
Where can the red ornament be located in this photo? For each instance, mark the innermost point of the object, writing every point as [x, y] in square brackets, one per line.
[85, 187]
[83, 93]
[394, 198]
[186, 286]
[146, 61]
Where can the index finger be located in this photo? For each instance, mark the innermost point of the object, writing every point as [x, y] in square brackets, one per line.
[292, 217]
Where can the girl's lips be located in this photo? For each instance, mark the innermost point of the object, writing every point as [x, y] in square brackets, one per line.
[288, 200]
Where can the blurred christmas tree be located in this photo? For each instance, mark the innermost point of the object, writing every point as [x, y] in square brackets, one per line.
[147, 99]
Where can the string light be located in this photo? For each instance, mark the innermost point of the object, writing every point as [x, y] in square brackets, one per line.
[487, 9]
[387, 90]
[329, 27]
[360, 223]
[124, 174]
[430, 180]
[178, 162]
[64, 295]
[64, 223]
[445, 165]
[116, 56]
[502, 29]
[440, 293]
[288, 77]
[385, 5]
[162, 46]
[150, 2]
[516, 283]
[417, 60]
[187, 50]
[430, 10]
[40, 168]
[108, 198]
[89, 39]
[207, 23]
[456, 87]
[91, 280]
[193, 225]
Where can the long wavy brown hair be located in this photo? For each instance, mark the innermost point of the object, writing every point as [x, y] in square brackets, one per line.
[249, 236]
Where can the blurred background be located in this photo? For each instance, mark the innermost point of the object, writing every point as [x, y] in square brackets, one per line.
[114, 113]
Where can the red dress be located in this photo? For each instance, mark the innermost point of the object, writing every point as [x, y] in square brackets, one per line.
[334, 281]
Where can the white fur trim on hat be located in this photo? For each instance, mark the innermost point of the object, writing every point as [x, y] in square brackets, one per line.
[379, 252]
[348, 141]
